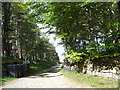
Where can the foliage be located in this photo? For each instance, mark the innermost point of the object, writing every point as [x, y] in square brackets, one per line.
[21, 31]
[87, 30]
[75, 56]
[10, 60]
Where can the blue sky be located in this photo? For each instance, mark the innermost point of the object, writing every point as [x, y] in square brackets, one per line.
[59, 48]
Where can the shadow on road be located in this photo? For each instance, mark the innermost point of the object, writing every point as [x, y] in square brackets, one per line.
[48, 73]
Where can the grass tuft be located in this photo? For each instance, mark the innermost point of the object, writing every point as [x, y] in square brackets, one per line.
[6, 79]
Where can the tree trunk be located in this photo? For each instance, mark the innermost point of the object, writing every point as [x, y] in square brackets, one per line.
[6, 24]
[1, 51]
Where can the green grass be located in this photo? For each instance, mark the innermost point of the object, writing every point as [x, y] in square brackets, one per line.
[93, 81]
[37, 66]
[6, 79]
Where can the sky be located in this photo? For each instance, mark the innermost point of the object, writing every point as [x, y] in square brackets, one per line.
[59, 48]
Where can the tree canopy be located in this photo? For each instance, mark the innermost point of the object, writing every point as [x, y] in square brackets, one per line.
[21, 35]
[88, 30]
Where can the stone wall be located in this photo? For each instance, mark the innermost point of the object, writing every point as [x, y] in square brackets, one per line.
[111, 73]
[96, 71]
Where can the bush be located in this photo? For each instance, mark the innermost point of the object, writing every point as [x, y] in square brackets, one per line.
[10, 60]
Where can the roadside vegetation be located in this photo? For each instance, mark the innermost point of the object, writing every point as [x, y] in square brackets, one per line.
[93, 81]
[37, 66]
[6, 79]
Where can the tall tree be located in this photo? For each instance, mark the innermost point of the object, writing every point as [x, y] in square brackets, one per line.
[88, 30]
[21, 35]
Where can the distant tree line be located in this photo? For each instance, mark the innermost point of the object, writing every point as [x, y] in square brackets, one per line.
[21, 37]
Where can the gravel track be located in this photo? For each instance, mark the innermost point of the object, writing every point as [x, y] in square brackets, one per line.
[48, 78]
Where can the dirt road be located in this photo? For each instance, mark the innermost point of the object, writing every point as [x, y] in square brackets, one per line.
[49, 78]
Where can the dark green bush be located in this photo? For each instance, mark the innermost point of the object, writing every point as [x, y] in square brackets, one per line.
[10, 60]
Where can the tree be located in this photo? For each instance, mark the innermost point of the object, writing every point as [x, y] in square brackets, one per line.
[88, 30]
[21, 31]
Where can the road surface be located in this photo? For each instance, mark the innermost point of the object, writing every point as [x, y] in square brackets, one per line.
[49, 78]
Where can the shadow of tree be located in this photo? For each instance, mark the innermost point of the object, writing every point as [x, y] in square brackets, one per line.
[48, 73]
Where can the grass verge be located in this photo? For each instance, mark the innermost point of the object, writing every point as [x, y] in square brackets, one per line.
[6, 79]
[37, 66]
[93, 81]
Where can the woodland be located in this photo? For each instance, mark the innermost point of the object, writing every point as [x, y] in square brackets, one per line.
[89, 32]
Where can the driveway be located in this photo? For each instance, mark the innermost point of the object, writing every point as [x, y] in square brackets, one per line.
[48, 78]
